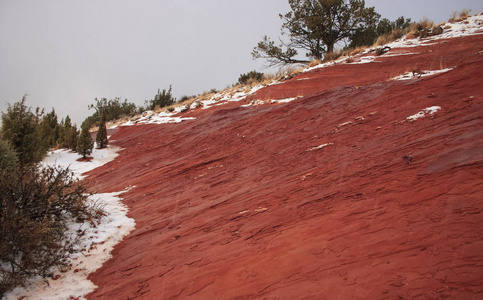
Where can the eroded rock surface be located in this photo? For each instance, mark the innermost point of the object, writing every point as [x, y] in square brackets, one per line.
[316, 198]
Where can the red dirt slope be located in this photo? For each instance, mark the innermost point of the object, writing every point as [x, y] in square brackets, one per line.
[240, 203]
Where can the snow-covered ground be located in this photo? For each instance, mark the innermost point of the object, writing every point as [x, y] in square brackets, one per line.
[68, 159]
[261, 102]
[96, 243]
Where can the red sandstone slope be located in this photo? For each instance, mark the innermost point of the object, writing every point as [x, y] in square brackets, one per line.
[240, 204]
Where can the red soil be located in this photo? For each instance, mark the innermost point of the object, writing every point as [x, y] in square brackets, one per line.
[239, 204]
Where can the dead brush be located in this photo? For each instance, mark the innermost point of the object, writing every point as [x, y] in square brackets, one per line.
[415, 29]
[395, 35]
[349, 59]
[331, 56]
[460, 16]
[314, 63]
[357, 50]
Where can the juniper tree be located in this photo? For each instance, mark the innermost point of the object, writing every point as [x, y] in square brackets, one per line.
[101, 138]
[84, 141]
[315, 26]
[49, 129]
[20, 127]
[8, 157]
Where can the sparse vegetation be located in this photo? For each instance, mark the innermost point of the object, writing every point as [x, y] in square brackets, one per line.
[161, 99]
[113, 110]
[460, 16]
[250, 77]
[330, 56]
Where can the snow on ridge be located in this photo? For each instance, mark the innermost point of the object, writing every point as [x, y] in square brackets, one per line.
[471, 26]
[228, 96]
[427, 111]
[151, 117]
[257, 102]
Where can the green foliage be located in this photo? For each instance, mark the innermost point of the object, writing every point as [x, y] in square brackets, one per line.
[113, 109]
[368, 35]
[34, 208]
[68, 134]
[101, 138]
[252, 76]
[49, 130]
[8, 157]
[162, 99]
[186, 98]
[84, 141]
[20, 127]
[315, 26]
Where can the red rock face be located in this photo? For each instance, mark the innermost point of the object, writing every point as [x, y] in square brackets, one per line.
[335, 195]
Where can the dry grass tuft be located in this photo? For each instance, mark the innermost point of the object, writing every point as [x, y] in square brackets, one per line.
[357, 50]
[391, 37]
[314, 63]
[460, 16]
[414, 30]
[331, 56]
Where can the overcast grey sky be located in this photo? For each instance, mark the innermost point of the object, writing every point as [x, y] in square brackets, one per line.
[65, 53]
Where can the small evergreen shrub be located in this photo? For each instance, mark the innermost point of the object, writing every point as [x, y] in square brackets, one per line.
[20, 128]
[250, 77]
[161, 99]
[84, 142]
[113, 109]
[101, 138]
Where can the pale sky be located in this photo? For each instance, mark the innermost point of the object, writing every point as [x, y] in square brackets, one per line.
[65, 53]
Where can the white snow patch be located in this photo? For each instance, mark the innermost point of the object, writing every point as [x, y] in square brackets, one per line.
[398, 54]
[344, 124]
[150, 117]
[224, 97]
[262, 102]
[429, 110]
[409, 75]
[363, 60]
[320, 146]
[286, 100]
